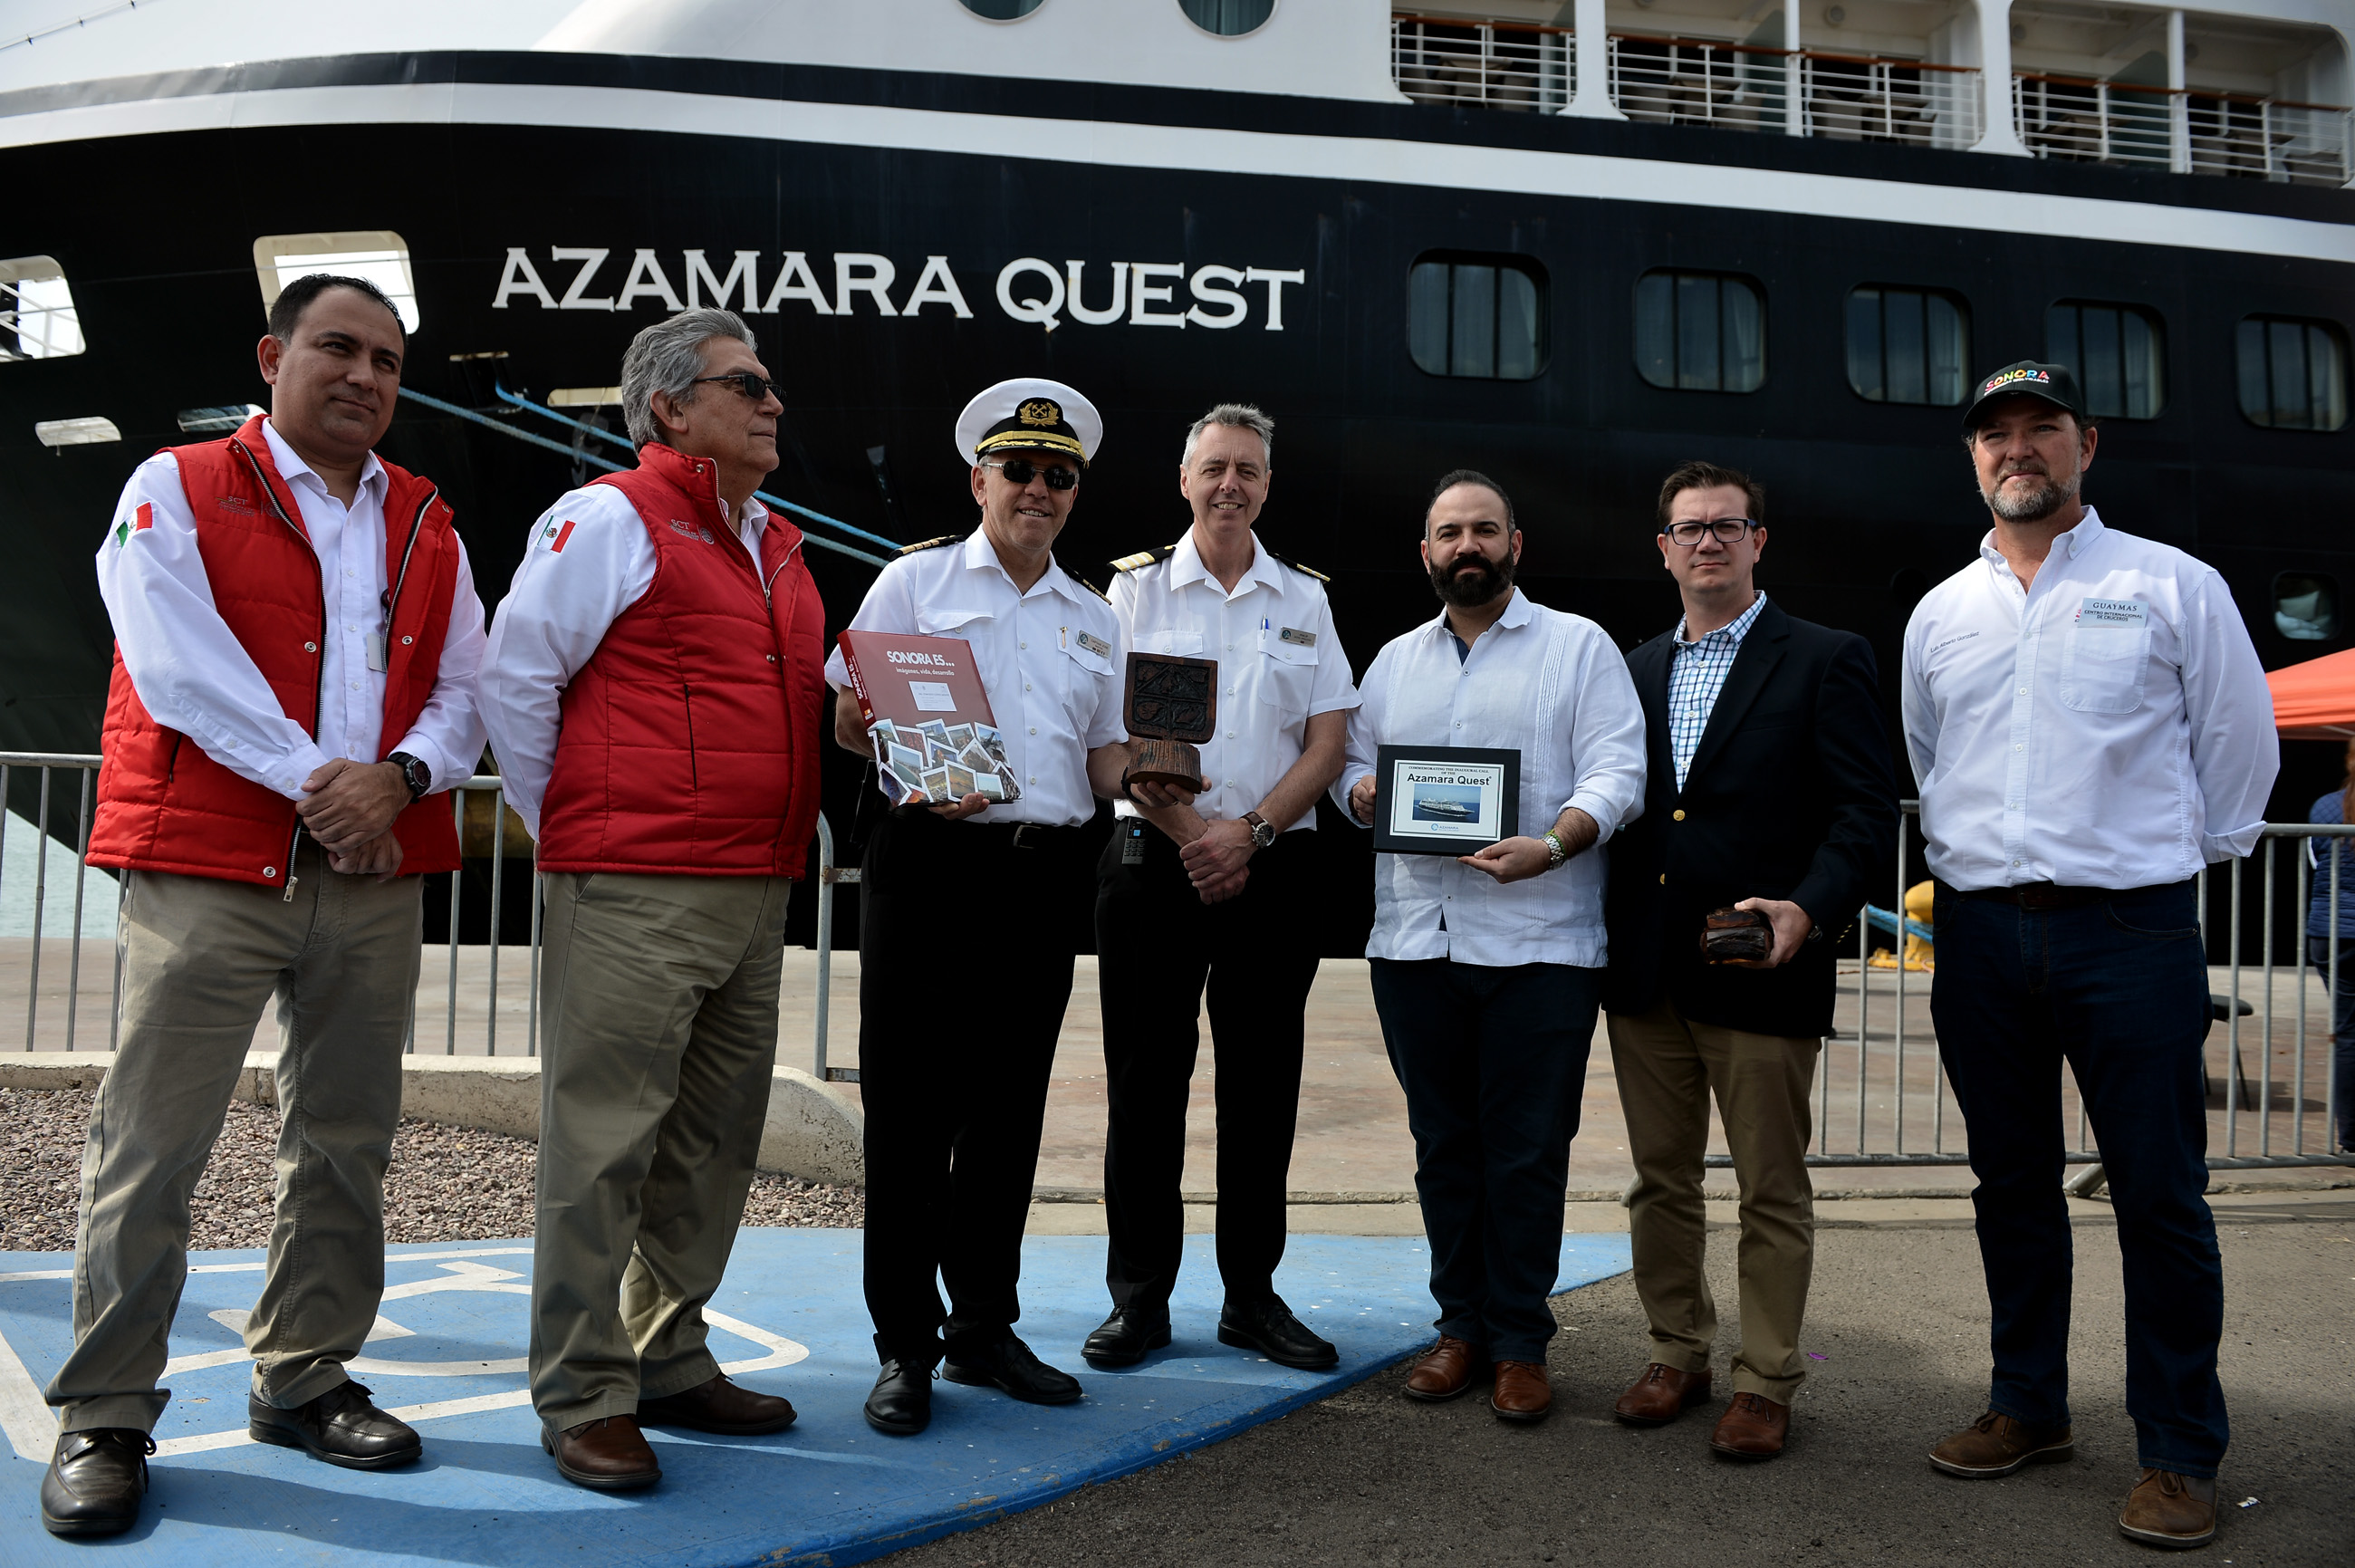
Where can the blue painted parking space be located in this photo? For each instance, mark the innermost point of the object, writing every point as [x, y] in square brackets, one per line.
[447, 1353]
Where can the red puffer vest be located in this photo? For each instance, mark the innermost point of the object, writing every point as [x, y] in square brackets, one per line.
[162, 803]
[689, 738]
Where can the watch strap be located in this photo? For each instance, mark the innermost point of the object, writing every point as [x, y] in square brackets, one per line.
[414, 773]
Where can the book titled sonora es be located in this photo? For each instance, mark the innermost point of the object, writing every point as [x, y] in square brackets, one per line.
[928, 717]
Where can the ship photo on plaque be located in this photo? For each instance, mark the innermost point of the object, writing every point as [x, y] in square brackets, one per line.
[1444, 800]
[1172, 706]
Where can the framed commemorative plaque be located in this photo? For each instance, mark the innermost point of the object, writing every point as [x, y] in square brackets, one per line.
[1444, 800]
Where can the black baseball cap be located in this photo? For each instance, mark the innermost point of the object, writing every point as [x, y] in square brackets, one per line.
[2026, 378]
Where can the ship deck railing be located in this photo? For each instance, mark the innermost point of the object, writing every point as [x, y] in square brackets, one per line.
[1667, 78]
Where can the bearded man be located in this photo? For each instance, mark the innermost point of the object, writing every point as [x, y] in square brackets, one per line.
[2089, 726]
[1488, 968]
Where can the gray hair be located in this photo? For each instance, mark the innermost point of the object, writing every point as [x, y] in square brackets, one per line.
[1234, 416]
[666, 357]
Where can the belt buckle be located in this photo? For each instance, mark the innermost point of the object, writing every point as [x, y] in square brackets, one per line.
[1022, 835]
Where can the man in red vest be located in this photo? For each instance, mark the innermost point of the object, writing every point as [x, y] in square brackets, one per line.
[296, 645]
[653, 691]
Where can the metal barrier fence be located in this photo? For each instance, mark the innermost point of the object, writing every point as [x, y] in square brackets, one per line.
[486, 829]
[1879, 1079]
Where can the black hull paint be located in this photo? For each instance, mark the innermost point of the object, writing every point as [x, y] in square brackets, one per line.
[1868, 503]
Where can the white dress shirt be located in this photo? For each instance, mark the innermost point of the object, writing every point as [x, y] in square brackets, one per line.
[2109, 726]
[1055, 697]
[1279, 665]
[587, 560]
[1551, 686]
[192, 674]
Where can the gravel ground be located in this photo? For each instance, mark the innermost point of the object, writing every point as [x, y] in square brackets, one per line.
[446, 1184]
[1900, 1315]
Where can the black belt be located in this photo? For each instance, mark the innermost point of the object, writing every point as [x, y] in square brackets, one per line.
[2040, 896]
[1020, 835]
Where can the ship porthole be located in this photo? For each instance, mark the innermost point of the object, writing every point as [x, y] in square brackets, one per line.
[1001, 10]
[1227, 18]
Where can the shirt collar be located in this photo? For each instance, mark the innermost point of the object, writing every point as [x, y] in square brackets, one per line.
[980, 555]
[1733, 631]
[292, 468]
[1186, 566]
[2078, 540]
[1517, 613]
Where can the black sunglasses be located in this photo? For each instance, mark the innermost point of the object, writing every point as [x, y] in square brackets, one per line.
[754, 387]
[1021, 471]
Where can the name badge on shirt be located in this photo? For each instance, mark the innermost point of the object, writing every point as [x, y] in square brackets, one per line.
[2124, 613]
[1095, 645]
[1295, 636]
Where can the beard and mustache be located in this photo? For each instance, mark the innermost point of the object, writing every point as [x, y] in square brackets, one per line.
[1470, 581]
[2037, 502]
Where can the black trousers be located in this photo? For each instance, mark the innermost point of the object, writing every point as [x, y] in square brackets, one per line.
[1493, 1061]
[965, 940]
[1158, 946]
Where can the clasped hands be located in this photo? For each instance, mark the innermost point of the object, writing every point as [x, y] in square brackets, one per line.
[349, 809]
[1216, 855]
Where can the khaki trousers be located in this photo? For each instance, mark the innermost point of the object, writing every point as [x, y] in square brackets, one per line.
[659, 994]
[1667, 1066]
[201, 958]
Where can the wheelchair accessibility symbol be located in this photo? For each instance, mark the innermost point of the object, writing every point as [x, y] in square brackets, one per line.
[454, 1307]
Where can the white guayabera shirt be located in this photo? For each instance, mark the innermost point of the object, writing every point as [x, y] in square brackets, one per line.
[2107, 727]
[1551, 686]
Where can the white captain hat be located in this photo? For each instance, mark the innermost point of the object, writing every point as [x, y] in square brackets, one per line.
[1027, 414]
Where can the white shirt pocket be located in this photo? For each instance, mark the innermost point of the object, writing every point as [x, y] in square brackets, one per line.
[2103, 668]
[950, 621]
[1177, 640]
[1287, 675]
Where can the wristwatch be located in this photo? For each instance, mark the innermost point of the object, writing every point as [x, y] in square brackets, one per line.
[414, 773]
[1263, 831]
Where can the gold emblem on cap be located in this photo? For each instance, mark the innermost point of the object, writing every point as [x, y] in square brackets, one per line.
[1040, 412]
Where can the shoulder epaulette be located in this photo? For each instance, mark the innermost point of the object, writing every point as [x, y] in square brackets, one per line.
[1303, 571]
[931, 544]
[1144, 558]
[1091, 588]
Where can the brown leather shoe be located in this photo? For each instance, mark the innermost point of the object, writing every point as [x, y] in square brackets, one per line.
[718, 1406]
[2168, 1509]
[608, 1455]
[1444, 1371]
[1995, 1445]
[1753, 1427]
[1660, 1396]
[1522, 1392]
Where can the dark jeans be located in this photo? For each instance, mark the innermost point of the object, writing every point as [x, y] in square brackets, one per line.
[2342, 1030]
[1493, 1061]
[1158, 945]
[965, 969]
[2119, 990]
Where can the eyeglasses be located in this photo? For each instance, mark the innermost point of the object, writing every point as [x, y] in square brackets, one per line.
[756, 387]
[1021, 471]
[1726, 530]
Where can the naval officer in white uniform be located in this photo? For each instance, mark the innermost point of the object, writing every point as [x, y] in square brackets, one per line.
[1204, 890]
[968, 913]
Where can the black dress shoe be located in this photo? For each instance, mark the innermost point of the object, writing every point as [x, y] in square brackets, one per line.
[1125, 1336]
[1008, 1364]
[340, 1427]
[95, 1481]
[1270, 1328]
[900, 1404]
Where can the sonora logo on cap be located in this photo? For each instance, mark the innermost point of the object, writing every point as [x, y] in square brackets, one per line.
[2008, 376]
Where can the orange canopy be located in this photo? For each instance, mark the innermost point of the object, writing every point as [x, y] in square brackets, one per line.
[2316, 701]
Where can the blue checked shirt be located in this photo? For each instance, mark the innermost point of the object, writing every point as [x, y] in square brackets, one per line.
[1695, 677]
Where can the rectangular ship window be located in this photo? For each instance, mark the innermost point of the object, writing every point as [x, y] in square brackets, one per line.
[2115, 350]
[1700, 331]
[1480, 317]
[37, 319]
[2293, 373]
[379, 255]
[1907, 345]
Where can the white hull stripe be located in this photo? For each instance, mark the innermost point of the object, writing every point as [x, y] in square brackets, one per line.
[1514, 171]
